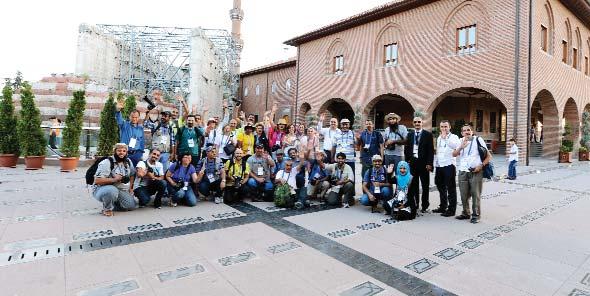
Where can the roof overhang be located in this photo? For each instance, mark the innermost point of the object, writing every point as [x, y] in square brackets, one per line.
[272, 67]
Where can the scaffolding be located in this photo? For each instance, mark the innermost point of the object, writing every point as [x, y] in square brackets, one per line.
[159, 58]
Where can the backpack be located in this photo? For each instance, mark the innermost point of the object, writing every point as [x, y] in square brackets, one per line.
[92, 169]
[283, 198]
[488, 169]
[231, 165]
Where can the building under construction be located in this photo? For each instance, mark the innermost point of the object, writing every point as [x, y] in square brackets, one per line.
[200, 64]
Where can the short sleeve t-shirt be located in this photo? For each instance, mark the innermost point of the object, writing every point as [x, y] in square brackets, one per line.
[402, 132]
[211, 167]
[182, 174]
[290, 177]
[247, 143]
[124, 169]
[374, 175]
[158, 171]
[259, 165]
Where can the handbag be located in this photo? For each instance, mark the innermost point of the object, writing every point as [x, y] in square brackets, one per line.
[229, 148]
[488, 169]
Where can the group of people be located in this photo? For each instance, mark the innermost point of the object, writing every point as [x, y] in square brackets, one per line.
[232, 158]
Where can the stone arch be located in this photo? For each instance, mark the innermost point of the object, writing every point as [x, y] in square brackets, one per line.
[336, 48]
[389, 34]
[545, 123]
[486, 112]
[550, 23]
[587, 108]
[567, 35]
[571, 117]
[304, 112]
[384, 104]
[337, 108]
[467, 13]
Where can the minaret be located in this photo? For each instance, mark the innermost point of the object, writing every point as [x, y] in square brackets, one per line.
[236, 14]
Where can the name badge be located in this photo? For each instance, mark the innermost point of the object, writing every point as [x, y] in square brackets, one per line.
[317, 176]
[132, 143]
[367, 146]
[278, 142]
[164, 140]
[185, 188]
[415, 150]
[260, 171]
[377, 190]
[211, 178]
[191, 143]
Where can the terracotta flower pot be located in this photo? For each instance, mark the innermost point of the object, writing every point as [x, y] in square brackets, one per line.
[583, 156]
[68, 164]
[34, 162]
[8, 160]
[565, 157]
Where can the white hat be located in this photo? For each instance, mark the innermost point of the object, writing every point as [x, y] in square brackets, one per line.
[344, 120]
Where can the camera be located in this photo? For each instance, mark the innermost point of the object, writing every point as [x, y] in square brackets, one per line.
[237, 182]
[334, 180]
[125, 179]
[150, 169]
[150, 103]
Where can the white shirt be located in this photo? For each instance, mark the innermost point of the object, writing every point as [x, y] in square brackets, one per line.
[444, 150]
[221, 140]
[290, 177]
[328, 135]
[469, 156]
[513, 153]
[158, 171]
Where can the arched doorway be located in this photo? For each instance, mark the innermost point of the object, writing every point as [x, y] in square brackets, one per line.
[571, 122]
[544, 133]
[388, 103]
[304, 115]
[587, 108]
[484, 111]
[337, 108]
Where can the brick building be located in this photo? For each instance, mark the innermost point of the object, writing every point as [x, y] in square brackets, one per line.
[453, 59]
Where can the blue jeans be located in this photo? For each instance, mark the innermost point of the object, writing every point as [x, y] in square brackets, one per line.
[383, 196]
[144, 193]
[253, 185]
[178, 195]
[512, 169]
[164, 159]
[136, 157]
[206, 188]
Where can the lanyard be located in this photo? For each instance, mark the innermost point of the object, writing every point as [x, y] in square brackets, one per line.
[471, 144]
[370, 136]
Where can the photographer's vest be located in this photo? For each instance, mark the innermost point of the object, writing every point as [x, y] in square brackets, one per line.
[184, 144]
[161, 138]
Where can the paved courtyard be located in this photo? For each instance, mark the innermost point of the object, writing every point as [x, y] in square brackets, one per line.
[534, 239]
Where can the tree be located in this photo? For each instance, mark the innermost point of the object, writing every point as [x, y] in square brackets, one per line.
[130, 104]
[74, 122]
[8, 134]
[357, 122]
[108, 135]
[585, 141]
[31, 138]
[18, 81]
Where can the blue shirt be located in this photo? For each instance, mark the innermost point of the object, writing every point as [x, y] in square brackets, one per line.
[317, 172]
[212, 167]
[344, 142]
[374, 175]
[127, 131]
[374, 140]
[182, 174]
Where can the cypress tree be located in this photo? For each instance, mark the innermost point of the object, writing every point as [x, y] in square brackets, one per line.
[31, 137]
[8, 134]
[108, 135]
[74, 122]
[130, 105]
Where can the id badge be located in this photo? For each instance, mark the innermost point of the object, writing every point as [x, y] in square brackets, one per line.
[415, 150]
[164, 140]
[132, 143]
[316, 176]
[211, 178]
[260, 171]
[278, 142]
[377, 190]
[191, 143]
[367, 146]
[185, 188]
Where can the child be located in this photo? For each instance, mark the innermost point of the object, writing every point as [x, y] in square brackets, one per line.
[512, 160]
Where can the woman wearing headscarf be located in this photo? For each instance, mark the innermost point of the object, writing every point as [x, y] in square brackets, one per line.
[400, 207]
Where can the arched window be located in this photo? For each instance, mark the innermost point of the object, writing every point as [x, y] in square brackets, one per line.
[273, 87]
[466, 29]
[288, 85]
[245, 91]
[257, 89]
[335, 57]
[387, 46]
[547, 29]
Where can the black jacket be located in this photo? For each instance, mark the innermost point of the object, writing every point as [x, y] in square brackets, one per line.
[425, 149]
[263, 139]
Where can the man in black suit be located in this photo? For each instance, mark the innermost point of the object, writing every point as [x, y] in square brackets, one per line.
[419, 152]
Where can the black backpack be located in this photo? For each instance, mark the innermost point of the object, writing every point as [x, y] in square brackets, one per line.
[231, 165]
[92, 169]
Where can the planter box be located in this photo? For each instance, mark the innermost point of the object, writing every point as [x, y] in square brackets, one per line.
[583, 156]
[565, 157]
[8, 160]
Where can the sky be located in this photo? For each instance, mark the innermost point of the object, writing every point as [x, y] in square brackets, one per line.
[40, 37]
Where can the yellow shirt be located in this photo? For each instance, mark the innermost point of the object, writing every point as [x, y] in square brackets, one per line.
[236, 170]
[247, 143]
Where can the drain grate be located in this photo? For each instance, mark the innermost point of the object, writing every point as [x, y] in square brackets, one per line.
[33, 254]
[341, 233]
[226, 215]
[188, 221]
[113, 289]
[180, 273]
[92, 235]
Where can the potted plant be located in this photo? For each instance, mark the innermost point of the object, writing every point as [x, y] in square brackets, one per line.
[583, 154]
[585, 141]
[72, 132]
[8, 135]
[567, 146]
[31, 138]
[108, 135]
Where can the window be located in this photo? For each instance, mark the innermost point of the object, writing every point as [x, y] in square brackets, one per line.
[288, 85]
[339, 64]
[466, 39]
[544, 38]
[479, 121]
[245, 91]
[492, 122]
[575, 58]
[391, 54]
[257, 89]
[564, 53]
[586, 65]
[273, 87]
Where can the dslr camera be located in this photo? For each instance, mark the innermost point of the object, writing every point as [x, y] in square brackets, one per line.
[237, 182]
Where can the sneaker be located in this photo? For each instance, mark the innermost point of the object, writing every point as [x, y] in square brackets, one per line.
[173, 204]
[298, 205]
[439, 210]
[345, 205]
[474, 220]
[447, 214]
[424, 211]
[462, 217]
[217, 200]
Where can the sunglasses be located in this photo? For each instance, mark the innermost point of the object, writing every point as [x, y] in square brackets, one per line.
[417, 121]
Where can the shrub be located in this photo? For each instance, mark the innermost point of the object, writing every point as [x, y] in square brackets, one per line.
[73, 129]
[108, 135]
[8, 120]
[31, 138]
